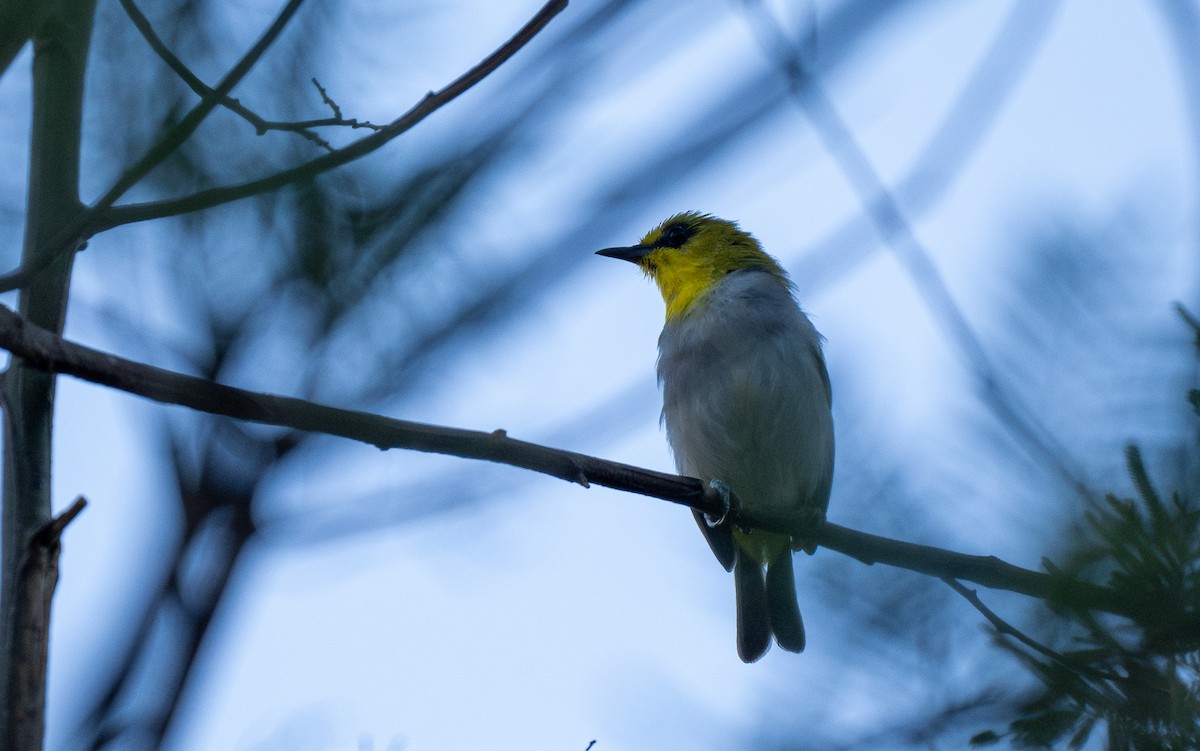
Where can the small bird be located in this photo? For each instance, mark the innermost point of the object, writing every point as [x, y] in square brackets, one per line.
[746, 404]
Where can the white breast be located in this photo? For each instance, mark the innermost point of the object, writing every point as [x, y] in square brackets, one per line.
[746, 396]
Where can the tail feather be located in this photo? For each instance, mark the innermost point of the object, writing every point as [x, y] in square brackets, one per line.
[753, 621]
[782, 610]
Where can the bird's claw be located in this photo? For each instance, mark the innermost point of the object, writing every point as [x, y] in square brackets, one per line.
[726, 504]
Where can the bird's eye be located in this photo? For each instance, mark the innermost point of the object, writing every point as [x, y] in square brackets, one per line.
[675, 236]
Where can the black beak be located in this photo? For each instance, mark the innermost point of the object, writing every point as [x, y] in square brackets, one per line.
[633, 253]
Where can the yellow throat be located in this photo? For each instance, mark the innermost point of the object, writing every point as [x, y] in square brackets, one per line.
[689, 253]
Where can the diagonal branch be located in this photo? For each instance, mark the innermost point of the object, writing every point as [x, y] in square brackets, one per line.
[173, 138]
[430, 103]
[39, 348]
[1005, 628]
[261, 125]
[70, 237]
[103, 215]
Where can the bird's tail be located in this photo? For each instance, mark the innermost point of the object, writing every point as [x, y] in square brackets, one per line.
[753, 623]
[782, 608]
[766, 605]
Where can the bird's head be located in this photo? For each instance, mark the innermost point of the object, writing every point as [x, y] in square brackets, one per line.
[689, 253]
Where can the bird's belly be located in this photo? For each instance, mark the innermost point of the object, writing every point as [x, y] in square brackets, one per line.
[758, 423]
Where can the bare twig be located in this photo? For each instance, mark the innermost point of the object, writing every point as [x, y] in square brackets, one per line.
[337, 111]
[36, 581]
[181, 131]
[429, 104]
[71, 237]
[261, 125]
[142, 24]
[39, 348]
[103, 215]
[49, 535]
[1004, 627]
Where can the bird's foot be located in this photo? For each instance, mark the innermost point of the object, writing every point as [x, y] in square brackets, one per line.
[810, 521]
[726, 504]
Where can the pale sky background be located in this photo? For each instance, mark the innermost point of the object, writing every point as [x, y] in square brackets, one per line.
[540, 615]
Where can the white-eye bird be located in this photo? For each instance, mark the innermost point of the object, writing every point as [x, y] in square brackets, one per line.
[746, 404]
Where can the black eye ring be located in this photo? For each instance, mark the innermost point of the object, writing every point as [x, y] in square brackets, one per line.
[675, 236]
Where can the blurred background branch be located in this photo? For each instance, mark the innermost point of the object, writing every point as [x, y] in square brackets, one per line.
[882, 208]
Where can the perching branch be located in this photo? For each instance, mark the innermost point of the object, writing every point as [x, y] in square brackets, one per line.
[39, 348]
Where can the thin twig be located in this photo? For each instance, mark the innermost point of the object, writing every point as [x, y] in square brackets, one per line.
[73, 235]
[34, 585]
[103, 215]
[337, 111]
[261, 125]
[52, 531]
[1004, 627]
[142, 24]
[430, 103]
[41, 349]
[181, 131]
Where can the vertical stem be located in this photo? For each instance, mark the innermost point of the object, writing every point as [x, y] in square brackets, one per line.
[26, 585]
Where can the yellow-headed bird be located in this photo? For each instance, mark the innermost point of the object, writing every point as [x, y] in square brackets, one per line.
[746, 402]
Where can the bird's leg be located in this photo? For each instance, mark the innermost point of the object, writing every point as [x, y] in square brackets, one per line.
[727, 503]
[811, 519]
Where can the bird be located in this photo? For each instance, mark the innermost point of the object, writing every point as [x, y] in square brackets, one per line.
[746, 407]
